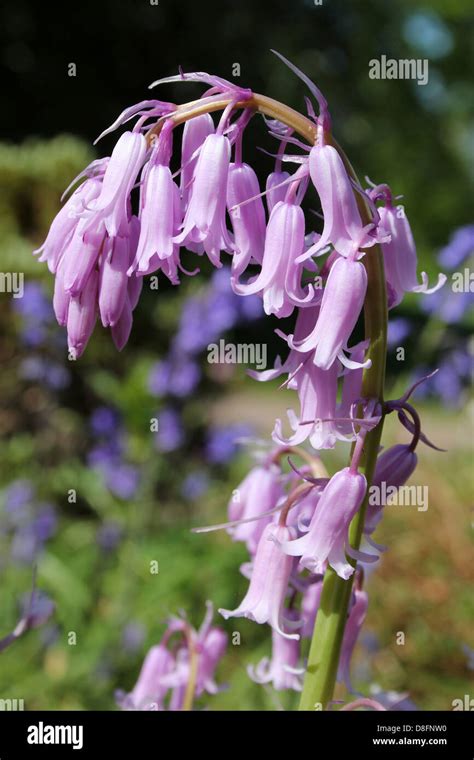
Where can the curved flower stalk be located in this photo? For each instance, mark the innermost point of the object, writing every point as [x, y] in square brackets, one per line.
[301, 524]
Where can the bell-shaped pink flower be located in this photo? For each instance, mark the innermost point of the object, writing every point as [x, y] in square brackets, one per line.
[195, 132]
[282, 669]
[205, 218]
[259, 492]
[304, 322]
[343, 226]
[125, 163]
[157, 218]
[264, 601]
[317, 393]
[341, 305]
[60, 297]
[248, 220]
[211, 649]
[80, 256]
[400, 258]
[82, 316]
[149, 691]
[327, 537]
[66, 221]
[279, 281]
[357, 614]
[276, 188]
[113, 280]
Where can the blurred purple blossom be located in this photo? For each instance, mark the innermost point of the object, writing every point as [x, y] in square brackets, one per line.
[170, 434]
[459, 248]
[398, 329]
[175, 377]
[194, 485]
[122, 480]
[35, 306]
[104, 421]
[109, 535]
[454, 372]
[18, 497]
[223, 442]
[38, 369]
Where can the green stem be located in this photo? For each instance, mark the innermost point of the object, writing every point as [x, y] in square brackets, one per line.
[331, 619]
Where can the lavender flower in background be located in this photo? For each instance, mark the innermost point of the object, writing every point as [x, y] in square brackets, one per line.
[223, 442]
[182, 654]
[36, 608]
[27, 523]
[453, 303]
[39, 334]
[170, 434]
[108, 453]
[195, 485]
[174, 376]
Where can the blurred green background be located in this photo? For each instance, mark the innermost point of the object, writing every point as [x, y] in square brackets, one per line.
[86, 425]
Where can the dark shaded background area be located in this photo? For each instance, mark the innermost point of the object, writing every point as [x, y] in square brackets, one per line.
[120, 47]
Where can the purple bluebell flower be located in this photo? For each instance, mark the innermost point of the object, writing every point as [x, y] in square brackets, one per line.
[283, 670]
[341, 304]
[259, 492]
[279, 280]
[248, 220]
[327, 536]
[264, 600]
[204, 220]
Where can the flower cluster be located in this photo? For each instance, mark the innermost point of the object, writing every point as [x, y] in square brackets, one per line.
[131, 216]
[180, 668]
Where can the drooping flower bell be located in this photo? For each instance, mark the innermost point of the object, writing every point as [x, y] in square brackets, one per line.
[279, 280]
[195, 132]
[66, 221]
[399, 252]
[149, 691]
[343, 226]
[247, 217]
[282, 670]
[259, 492]
[327, 537]
[341, 305]
[317, 392]
[205, 218]
[264, 600]
[126, 160]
